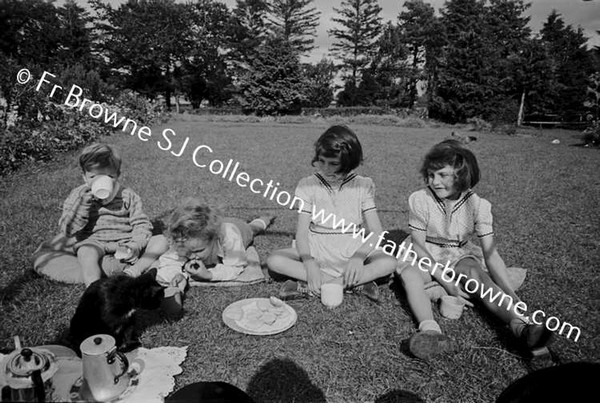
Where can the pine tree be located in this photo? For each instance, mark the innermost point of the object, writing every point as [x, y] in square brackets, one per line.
[76, 37]
[360, 27]
[390, 68]
[463, 85]
[250, 28]
[423, 36]
[273, 83]
[295, 21]
[571, 66]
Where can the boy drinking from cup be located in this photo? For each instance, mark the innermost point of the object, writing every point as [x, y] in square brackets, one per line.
[103, 228]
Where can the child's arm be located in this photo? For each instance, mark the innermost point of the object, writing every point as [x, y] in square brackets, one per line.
[496, 265]
[169, 269]
[352, 274]
[234, 258]
[76, 210]
[313, 272]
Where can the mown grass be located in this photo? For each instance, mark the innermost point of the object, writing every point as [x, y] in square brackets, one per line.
[545, 201]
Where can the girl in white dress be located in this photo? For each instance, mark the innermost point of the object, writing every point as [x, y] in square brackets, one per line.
[327, 248]
[443, 218]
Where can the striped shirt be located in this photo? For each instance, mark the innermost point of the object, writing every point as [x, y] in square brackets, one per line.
[120, 220]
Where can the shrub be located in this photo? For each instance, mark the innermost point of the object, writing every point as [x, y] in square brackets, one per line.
[591, 135]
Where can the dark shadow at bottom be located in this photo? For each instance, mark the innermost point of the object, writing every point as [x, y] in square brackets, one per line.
[281, 380]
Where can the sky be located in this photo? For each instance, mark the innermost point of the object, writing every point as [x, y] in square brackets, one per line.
[584, 13]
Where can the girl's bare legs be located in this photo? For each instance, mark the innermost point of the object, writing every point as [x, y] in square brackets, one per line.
[259, 225]
[414, 281]
[377, 265]
[532, 335]
[89, 258]
[287, 262]
[471, 269]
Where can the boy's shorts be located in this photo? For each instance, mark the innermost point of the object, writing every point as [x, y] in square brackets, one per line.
[57, 259]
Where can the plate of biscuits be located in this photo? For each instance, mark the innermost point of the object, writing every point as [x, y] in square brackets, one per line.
[260, 316]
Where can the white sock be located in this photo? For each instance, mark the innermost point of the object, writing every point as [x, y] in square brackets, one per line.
[429, 324]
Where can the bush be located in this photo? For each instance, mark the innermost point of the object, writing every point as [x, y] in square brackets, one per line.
[591, 135]
[135, 107]
[39, 141]
[43, 128]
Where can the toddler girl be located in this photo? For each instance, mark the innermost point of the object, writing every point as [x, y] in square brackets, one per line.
[204, 246]
[324, 252]
[443, 217]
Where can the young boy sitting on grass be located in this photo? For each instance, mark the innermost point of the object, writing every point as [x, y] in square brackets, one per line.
[99, 236]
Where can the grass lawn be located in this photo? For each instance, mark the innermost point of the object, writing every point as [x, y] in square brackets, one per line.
[545, 200]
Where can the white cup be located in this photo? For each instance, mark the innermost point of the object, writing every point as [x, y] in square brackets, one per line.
[332, 294]
[451, 307]
[102, 187]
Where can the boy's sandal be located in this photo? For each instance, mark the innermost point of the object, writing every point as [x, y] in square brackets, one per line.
[293, 290]
[428, 343]
[369, 290]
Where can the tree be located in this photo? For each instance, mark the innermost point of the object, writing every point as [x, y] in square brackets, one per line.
[203, 73]
[296, 22]
[361, 25]
[388, 70]
[75, 36]
[29, 32]
[510, 35]
[273, 84]
[145, 41]
[249, 29]
[319, 79]
[570, 66]
[423, 36]
[464, 84]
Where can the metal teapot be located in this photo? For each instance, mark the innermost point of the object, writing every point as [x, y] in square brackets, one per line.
[27, 374]
[104, 368]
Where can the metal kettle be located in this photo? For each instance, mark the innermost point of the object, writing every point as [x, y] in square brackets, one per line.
[104, 368]
[27, 374]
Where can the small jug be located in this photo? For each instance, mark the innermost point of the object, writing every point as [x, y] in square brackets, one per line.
[104, 368]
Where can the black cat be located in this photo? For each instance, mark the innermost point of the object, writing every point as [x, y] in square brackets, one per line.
[108, 306]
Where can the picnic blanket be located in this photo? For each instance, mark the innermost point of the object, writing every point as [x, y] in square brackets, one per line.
[252, 274]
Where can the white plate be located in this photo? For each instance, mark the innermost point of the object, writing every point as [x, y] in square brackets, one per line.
[236, 316]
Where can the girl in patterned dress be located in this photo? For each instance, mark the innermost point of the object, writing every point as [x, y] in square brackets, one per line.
[443, 218]
[326, 252]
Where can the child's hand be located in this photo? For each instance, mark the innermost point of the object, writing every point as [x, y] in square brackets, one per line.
[353, 271]
[127, 253]
[179, 281]
[198, 270]
[86, 201]
[313, 276]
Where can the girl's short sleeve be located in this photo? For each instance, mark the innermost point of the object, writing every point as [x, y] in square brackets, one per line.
[483, 219]
[418, 216]
[303, 192]
[368, 198]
